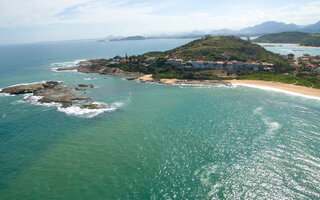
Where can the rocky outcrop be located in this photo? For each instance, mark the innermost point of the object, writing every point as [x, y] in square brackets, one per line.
[86, 85]
[83, 85]
[97, 66]
[51, 92]
[132, 78]
[31, 88]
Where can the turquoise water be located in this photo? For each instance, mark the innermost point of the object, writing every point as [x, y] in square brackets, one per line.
[161, 142]
[298, 51]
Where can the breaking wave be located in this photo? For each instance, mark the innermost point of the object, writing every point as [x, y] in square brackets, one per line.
[55, 66]
[34, 100]
[6, 94]
[89, 79]
[76, 110]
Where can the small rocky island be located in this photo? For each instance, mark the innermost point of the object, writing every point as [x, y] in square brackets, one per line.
[52, 92]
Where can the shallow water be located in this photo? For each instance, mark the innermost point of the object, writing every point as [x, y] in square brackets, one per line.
[285, 49]
[160, 142]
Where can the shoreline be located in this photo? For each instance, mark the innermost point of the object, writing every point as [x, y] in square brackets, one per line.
[148, 78]
[308, 46]
[265, 85]
[296, 90]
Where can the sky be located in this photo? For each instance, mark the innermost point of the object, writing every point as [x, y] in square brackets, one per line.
[24, 21]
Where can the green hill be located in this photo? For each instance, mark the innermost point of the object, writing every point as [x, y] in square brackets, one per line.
[224, 48]
[306, 39]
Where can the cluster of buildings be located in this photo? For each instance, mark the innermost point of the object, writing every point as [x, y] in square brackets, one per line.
[310, 63]
[220, 65]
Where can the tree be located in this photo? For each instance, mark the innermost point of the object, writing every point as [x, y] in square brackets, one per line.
[290, 55]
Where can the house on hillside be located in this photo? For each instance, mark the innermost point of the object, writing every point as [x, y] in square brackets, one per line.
[201, 64]
[173, 61]
[309, 67]
[253, 65]
[150, 60]
[267, 66]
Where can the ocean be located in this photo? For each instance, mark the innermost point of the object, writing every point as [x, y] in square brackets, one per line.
[157, 141]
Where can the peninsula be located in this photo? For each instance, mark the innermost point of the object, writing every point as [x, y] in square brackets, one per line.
[304, 39]
[211, 60]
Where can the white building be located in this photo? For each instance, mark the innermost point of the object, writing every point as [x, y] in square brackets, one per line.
[175, 61]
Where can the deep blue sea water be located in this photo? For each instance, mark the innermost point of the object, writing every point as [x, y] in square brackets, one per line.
[159, 142]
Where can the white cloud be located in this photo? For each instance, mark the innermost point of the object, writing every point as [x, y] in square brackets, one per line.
[146, 17]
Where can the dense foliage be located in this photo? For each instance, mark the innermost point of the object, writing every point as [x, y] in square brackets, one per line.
[307, 39]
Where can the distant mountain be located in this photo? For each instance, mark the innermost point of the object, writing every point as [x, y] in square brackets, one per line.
[306, 39]
[257, 30]
[130, 38]
[313, 28]
[223, 32]
[270, 27]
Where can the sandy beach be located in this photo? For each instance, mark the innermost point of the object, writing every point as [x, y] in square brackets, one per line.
[148, 78]
[293, 89]
[281, 86]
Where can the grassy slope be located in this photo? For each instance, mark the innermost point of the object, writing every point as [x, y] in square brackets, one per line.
[212, 49]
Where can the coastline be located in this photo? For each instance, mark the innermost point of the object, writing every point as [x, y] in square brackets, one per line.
[302, 46]
[266, 85]
[148, 78]
[281, 87]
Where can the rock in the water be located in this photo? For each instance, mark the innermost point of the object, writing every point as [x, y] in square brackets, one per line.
[132, 78]
[23, 89]
[83, 85]
[90, 106]
[65, 100]
[53, 92]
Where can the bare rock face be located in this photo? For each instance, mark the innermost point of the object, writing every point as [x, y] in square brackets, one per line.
[23, 89]
[113, 71]
[51, 92]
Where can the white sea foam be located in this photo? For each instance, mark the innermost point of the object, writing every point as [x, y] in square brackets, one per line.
[6, 94]
[272, 126]
[55, 69]
[89, 79]
[57, 65]
[278, 90]
[257, 110]
[75, 110]
[182, 85]
[67, 64]
[205, 178]
[34, 100]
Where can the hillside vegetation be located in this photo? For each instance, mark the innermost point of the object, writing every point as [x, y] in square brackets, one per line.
[306, 39]
[224, 48]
